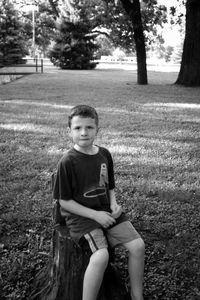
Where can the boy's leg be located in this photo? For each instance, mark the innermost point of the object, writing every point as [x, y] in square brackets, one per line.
[125, 234]
[98, 262]
[136, 250]
[94, 274]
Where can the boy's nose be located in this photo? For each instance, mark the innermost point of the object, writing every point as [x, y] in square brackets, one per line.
[84, 131]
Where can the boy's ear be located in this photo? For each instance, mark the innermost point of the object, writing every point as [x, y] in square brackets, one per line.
[98, 128]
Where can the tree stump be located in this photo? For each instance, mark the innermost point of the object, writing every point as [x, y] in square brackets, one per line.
[63, 278]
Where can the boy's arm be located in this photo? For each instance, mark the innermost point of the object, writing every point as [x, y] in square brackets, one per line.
[102, 217]
[115, 208]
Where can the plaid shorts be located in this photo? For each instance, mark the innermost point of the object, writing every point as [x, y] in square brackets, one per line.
[117, 235]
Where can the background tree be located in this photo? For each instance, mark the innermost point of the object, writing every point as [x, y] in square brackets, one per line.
[189, 74]
[75, 44]
[120, 26]
[133, 10]
[12, 35]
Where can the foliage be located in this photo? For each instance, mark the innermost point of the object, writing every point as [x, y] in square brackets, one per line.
[111, 16]
[12, 39]
[102, 15]
[165, 52]
[105, 46]
[153, 137]
[45, 27]
[75, 46]
[44, 24]
[121, 27]
[176, 13]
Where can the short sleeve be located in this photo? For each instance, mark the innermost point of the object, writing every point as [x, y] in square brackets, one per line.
[63, 187]
[111, 178]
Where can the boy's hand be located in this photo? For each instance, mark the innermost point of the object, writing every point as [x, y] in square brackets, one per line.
[104, 218]
[116, 211]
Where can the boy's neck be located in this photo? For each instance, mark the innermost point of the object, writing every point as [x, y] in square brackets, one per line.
[90, 151]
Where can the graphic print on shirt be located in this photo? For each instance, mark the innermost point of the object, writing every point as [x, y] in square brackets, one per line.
[103, 182]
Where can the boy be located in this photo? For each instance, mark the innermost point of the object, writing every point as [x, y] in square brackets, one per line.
[85, 189]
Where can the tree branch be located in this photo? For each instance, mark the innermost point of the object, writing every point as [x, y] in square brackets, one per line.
[54, 8]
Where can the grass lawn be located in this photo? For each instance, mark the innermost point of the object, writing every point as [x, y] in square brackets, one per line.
[152, 132]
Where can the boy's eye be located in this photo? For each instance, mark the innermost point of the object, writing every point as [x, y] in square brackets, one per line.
[87, 128]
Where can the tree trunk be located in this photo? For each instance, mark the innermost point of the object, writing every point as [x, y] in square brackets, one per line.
[133, 10]
[189, 74]
[63, 279]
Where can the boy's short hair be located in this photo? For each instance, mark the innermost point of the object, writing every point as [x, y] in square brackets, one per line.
[84, 111]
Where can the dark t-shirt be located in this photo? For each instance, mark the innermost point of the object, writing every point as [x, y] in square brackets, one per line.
[86, 179]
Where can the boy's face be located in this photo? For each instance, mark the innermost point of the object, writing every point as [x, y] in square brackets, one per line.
[83, 132]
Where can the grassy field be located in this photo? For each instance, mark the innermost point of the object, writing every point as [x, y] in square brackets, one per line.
[153, 134]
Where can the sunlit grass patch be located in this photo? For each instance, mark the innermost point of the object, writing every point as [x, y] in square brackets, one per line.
[55, 150]
[175, 105]
[27, 127]
[37, 103]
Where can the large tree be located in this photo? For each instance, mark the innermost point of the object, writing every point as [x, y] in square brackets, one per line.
[189, 74]
[132, 7]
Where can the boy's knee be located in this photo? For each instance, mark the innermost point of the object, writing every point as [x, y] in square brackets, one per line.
[100, 257]
[139, 246]
[136, 247]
